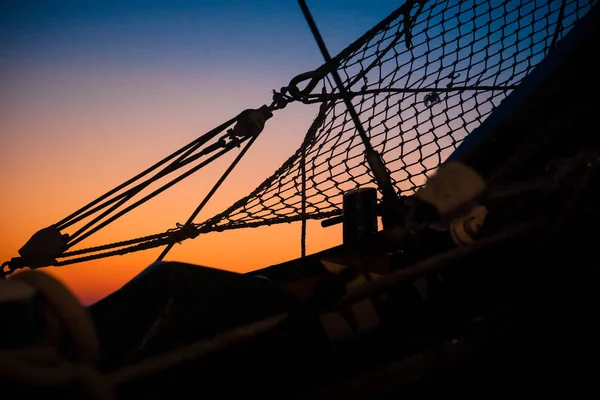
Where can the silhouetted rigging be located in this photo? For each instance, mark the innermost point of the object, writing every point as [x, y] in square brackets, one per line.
[420, 81]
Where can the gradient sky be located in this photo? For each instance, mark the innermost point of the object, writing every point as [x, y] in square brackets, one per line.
[93, 92]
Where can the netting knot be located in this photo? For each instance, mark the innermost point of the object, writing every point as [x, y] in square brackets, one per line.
[431, 99]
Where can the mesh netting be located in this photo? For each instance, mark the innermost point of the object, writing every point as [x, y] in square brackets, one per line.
[420, 83]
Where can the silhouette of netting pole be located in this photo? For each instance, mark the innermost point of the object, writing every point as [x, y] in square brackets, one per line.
[419, 82]
[376, 165]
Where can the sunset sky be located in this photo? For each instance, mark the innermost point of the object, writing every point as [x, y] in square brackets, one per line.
[93, 92]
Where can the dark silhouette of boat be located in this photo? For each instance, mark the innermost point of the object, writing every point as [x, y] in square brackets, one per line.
[482, 282]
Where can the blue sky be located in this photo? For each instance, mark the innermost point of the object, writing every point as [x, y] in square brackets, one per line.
[255, 35]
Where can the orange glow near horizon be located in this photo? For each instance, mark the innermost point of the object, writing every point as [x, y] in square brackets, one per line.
[59, 153]
[92, 94]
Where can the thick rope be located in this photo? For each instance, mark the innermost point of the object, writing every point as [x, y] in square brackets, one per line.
[303, 193]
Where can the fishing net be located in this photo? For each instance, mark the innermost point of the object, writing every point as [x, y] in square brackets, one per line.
[421, 81]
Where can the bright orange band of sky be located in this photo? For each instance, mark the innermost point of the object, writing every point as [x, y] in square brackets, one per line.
[92, 94]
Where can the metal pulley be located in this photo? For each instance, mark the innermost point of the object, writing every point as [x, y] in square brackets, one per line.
[250, 123]
[43, 248]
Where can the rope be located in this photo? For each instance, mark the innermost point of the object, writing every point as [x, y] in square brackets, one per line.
[213, 190]
[44, 366]
[95, 249]
[58, 372]
[225, 149]
[237, 335]
[436, 263]
[174, 237]
[209, 224]
[184, 152]
[303, 193]
[319, 98]
[72, 315]
[417, 99]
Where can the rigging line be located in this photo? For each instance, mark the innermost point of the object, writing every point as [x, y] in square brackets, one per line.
[205, 227]
[336, 77]
[319, 73]
[317, 98]
[210, 224]
[407, 9]
[357, 44]
[115, 244]
[199, 141]
[73, 237]
[303, 228]
[189, 223]
[150, 237]
[228, 147]
[373, 158]
[179, 163]
[140, 247]
[212, 192]
[174, 166]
